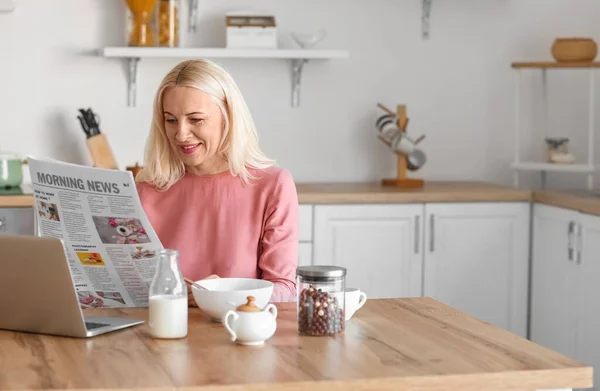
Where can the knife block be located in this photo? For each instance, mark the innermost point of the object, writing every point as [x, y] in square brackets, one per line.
[101, 152]
[401, 180]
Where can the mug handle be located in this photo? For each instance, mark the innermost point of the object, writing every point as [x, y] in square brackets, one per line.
[271, 307]
[226, 318]
[362, 299]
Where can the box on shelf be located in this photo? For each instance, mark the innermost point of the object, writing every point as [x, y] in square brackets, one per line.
[251, 31]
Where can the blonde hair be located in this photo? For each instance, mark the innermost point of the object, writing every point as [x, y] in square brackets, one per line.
[239, 143]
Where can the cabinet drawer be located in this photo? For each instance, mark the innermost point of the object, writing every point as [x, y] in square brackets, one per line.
[16, 221]
[305, 218]
[305, 254]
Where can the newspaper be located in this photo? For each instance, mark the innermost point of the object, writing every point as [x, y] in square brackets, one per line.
[110, 246]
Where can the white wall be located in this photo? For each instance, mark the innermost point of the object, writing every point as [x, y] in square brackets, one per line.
[458, 85]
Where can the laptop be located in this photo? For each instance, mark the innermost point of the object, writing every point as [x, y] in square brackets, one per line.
[37, 293]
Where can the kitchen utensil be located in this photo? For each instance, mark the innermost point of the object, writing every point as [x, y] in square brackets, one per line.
[97, 142]
[11, 170]
[392, 129]
[574, 49]
[249, 325]
[90, 122]
[224, 294]
[192, 283]
[415, 160]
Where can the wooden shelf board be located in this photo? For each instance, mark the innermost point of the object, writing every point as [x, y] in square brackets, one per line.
[553, 64]
[158, 52]
[541, 166]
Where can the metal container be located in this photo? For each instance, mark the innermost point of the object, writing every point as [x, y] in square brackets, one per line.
[321, 300]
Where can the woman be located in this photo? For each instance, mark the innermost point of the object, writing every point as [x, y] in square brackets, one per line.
[208, 189]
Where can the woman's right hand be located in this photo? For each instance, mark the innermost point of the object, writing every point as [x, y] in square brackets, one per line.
[191, 301]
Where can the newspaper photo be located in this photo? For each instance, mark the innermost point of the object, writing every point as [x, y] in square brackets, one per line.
[109, 243]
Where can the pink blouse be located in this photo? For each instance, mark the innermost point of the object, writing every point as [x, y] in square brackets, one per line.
[221, 226]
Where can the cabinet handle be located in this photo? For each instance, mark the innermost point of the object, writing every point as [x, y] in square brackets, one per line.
[570, 241]
[431, 233]
[417, 233]
[578, 244]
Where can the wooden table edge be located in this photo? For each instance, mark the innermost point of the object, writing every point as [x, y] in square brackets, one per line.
[545, 379]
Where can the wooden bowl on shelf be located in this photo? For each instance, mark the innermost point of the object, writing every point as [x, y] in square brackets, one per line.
[574, 49]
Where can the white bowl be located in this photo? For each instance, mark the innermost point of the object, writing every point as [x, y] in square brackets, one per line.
[226, 294]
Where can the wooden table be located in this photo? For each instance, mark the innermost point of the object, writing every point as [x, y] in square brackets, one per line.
[400, 344]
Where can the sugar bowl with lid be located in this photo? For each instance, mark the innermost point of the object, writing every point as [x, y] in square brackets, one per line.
[249, 325]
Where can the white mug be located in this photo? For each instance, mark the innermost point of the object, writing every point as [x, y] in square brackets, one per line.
[354, 299]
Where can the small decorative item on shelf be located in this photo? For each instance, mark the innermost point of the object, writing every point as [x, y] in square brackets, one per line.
[557, 151]
[574, 49]
[392, 132]
[250, 30]
[308, 40]
[140, 28]
[168, 23]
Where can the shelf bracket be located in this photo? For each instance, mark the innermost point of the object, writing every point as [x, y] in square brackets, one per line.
[192, 16]
[425, 18]
[297, 67]
[132, 81]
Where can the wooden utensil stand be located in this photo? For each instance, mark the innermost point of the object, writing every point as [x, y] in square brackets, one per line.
[401, 179]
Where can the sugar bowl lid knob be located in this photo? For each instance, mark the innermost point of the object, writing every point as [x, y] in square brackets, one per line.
[249, 306]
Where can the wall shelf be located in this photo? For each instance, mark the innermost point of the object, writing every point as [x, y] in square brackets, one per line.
[297, 57]
[552, 167]
[550, 64]
[588, 167]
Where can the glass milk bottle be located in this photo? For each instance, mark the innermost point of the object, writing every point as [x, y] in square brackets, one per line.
[168, 301]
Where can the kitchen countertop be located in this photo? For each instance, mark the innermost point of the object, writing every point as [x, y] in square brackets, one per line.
[390, 344]
[344, 193]
[450, 191]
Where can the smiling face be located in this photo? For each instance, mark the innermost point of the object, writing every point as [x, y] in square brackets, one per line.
[194, 127]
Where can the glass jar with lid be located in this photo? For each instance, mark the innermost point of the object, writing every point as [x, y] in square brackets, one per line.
[140, 31]
[320, 299]
[167, 20]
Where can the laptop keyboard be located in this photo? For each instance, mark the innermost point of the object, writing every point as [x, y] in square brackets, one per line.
[92, 325]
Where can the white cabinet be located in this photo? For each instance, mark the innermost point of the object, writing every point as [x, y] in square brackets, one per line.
[552, 288]
[305, 233]
[304, 254]
[472, 256]
[565, 310]
[17, 221]
[587, 297]
[477, 260]
[379, 245]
